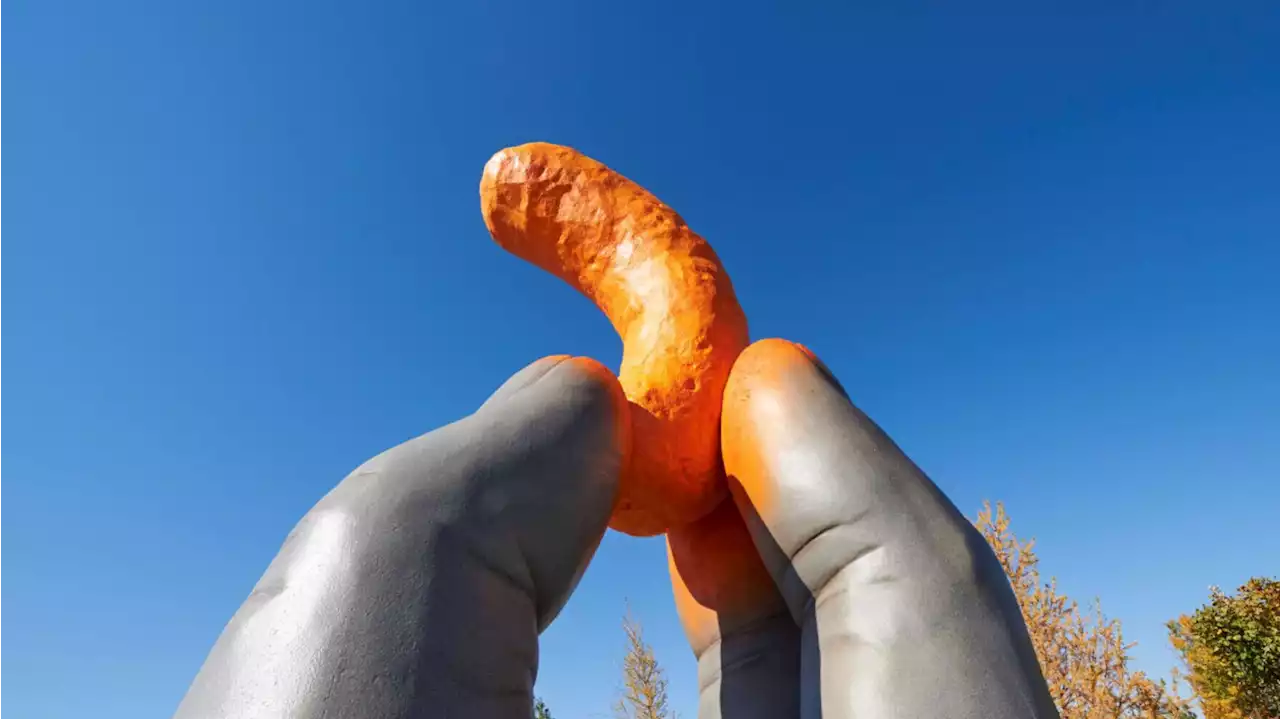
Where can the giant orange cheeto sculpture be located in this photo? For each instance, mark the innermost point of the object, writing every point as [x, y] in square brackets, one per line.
[668, 297]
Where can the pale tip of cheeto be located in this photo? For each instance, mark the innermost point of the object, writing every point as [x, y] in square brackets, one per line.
[502, 160]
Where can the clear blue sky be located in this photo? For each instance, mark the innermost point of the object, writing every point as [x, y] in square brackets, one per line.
[245, 253]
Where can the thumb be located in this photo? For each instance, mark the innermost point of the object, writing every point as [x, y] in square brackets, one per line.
[419, 584]
[555, 437]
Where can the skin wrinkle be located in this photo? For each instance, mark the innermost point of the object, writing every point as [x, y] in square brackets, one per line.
[860, 556]
[465, 539]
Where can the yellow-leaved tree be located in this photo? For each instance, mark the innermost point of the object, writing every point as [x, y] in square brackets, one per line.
[1082, 652]
[644, 684]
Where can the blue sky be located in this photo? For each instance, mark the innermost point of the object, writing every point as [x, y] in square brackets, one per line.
[245, 254]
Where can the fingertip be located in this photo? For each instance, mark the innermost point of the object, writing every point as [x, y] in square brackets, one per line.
[772, 356]
[590, 378]
[765, 358]
[759, 379]
[594, 372]
[580, 385]
[767, 366]
[762, 404]
[531, 373]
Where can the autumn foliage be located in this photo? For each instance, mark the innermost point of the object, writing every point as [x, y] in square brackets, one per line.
[1230, 648]
[644, 690]
[1082, 652]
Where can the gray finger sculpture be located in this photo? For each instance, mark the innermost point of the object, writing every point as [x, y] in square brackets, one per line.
[418, 586]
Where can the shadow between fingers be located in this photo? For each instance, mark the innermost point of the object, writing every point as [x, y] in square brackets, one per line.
[772, 667]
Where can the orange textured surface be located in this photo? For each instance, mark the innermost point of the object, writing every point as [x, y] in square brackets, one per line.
[719, 582]
[668, 297]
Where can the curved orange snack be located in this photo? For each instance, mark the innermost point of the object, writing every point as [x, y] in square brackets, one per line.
[668, 297]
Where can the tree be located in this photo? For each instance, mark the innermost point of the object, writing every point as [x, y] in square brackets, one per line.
[1082, 652]
[1230, 649]
[540, 710]
[644, 694]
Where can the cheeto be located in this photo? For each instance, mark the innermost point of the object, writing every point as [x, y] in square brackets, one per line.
[668, 297]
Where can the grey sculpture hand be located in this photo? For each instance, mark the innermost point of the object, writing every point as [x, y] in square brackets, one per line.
[840, 582]
[419, 585]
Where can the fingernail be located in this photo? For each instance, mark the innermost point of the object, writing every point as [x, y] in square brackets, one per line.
[524, 379]
[822, 367]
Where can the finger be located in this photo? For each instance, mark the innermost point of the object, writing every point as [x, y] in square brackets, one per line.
[745, 642]
[562, 439]
[418, 586]
[903, 608]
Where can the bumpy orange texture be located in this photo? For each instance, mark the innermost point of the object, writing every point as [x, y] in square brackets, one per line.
[667, 296]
